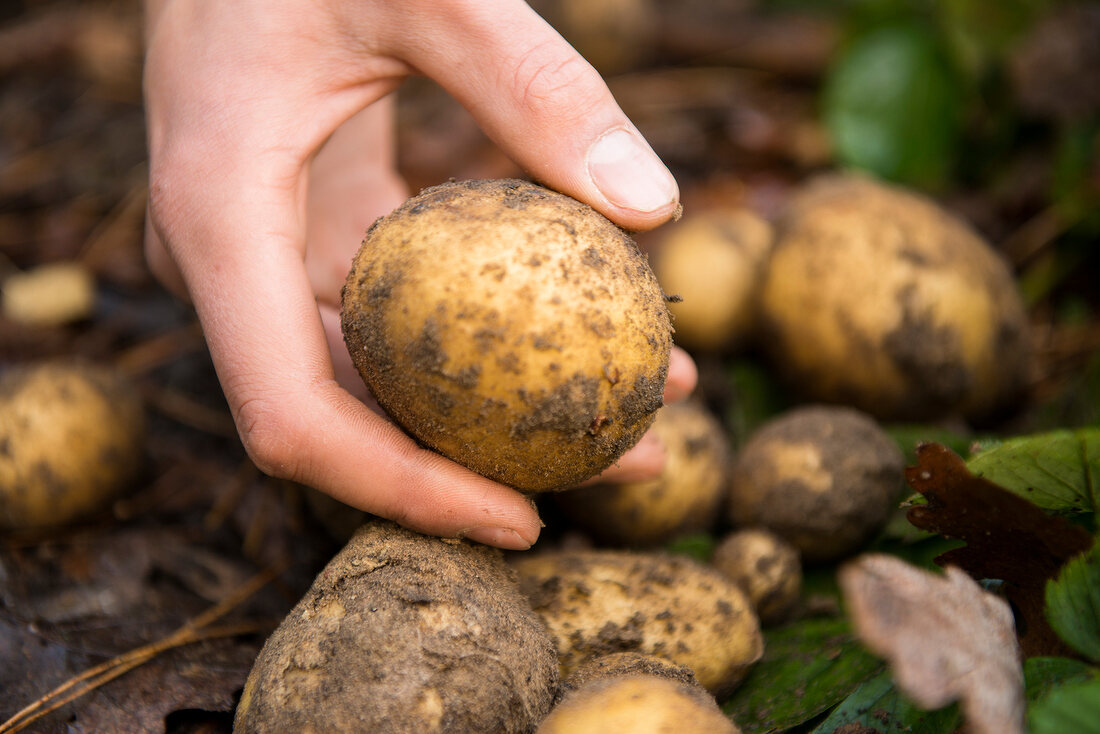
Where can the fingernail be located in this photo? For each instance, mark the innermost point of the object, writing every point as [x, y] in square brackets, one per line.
[505, 538]
[628, 172]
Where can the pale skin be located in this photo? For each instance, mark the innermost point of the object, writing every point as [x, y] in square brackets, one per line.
[271, 151]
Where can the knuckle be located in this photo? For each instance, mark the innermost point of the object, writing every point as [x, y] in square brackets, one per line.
[271, 439]
[544, 79]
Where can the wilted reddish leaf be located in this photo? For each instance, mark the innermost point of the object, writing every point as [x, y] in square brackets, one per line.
[1007, 538]
[946, 639]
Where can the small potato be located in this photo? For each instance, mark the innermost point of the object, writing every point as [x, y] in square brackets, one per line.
[765, 567]
[714, 261]
[404, 633]
[823, 478]
[878, 298]
[511, 328]
[639, 704]
[72, 439]
[597, 602]
[684, 498]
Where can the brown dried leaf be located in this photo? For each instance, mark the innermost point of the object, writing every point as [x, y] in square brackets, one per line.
[1007, 538]
[945, 638]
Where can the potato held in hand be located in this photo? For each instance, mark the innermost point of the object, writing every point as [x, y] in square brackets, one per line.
[72, 437]
[510, 328]
[404, 633]
[878, 298]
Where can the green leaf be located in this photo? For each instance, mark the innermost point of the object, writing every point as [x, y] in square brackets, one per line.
[892, 105]
[908, 436]
[1073, 708]
[807, 668]
[698, 546]
[879, 704]
[1073, 604]
[1043, 675]
[1056, 470]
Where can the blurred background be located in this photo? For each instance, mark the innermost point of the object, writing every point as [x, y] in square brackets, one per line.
[991, 107]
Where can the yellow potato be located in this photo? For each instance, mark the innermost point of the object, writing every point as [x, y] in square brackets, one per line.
[878, 298]
[73, 439]
[766, 567]
[511, 329]
[684, 498]
[639, 704]
[404, 633]
[598, 602]
[714, 261]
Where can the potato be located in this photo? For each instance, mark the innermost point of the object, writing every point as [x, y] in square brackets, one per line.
[404, 633]
[511, 329]
[73, 439]
[597, 602]
[685, 497]
[765, 567]
[823, 478]
[639, 704]
[878, 298]
[714, 261]
[49, 295]
[614, 36]
[616, 664]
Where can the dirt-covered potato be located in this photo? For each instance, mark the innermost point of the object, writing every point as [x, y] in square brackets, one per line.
[878, 298]
[714, 262]
[823, 478]
[597, 602]
[639, 704]
[404, 633]
[684, 498]
[766, 567]
[510, 328]
[614, 664]
[73, 438]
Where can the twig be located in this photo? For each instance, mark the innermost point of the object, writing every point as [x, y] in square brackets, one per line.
[194, 630]
[160, 349]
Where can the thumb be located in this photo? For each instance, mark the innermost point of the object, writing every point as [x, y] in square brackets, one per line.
[545, 106]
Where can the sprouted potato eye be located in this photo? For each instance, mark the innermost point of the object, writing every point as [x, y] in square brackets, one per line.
[510, 328]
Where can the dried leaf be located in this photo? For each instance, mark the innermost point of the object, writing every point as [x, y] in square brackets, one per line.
[946, 639]
[1007, 538]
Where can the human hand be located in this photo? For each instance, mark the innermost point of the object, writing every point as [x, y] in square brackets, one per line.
[271, 151]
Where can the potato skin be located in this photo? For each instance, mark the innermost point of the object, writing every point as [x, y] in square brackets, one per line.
[765, 566]
[878, 298]
[640, 704]
[597, 602]
[714, 261]
[71, 439]
[685, 497]
[823, 478]
[510, 328]
[617, 664]
[404, 633]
